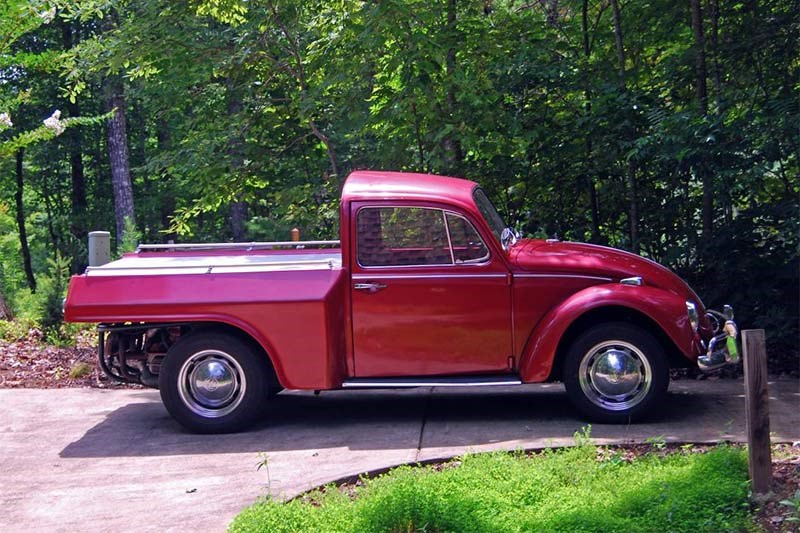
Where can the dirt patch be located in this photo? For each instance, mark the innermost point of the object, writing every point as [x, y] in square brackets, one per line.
[771, 514]
[30, 363]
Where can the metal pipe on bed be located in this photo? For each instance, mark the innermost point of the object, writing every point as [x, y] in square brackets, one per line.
[235, 245]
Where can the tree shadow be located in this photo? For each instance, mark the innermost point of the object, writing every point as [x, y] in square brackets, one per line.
[376, 420]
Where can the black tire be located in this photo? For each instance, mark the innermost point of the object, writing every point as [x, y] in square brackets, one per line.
[214, 382]
[616, 373]
[274, 390]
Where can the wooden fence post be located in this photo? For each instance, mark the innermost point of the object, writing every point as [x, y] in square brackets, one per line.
[757, 407]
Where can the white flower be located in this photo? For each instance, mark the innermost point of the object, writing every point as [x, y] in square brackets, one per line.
[48, 16]
[5, 121]
[54, 122]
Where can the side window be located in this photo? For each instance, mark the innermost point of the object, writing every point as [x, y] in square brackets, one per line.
[401, 236]
[468, 247]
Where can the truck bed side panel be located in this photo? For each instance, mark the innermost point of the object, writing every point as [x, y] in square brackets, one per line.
[296, 316]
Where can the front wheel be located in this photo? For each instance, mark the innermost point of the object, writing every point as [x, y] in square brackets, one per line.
[616, 373]
[213, 383]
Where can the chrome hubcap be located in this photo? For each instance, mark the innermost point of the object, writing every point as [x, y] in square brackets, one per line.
[615, 375]
[211, 383]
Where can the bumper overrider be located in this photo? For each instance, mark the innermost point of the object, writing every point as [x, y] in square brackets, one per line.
[721, 348]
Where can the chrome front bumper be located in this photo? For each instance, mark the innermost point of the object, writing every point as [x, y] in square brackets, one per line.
[722, 349]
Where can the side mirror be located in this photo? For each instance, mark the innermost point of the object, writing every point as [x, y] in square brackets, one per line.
[508, 238]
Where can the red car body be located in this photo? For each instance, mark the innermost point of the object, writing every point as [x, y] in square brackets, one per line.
[324, 320]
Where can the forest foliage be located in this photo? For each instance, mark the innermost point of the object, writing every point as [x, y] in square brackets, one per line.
[669, 128]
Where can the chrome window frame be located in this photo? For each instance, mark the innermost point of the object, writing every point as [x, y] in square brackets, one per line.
[483, 261]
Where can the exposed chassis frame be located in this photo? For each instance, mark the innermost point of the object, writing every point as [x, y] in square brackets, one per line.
[103, 329]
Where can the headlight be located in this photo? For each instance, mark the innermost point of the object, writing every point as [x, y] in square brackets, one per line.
[694, 319]
[727, 311]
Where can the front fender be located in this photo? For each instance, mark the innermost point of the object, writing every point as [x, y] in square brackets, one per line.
[664, 308]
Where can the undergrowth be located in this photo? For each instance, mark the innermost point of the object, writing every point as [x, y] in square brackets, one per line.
[574, 489]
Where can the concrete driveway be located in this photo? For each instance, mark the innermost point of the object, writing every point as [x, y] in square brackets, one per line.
[102, 460]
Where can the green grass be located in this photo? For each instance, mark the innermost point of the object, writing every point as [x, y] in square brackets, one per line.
[565, 490]
[80, 370]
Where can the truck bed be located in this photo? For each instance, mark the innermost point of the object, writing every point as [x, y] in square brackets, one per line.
[276, 296]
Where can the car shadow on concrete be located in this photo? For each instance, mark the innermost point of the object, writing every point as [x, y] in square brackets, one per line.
[375, 420]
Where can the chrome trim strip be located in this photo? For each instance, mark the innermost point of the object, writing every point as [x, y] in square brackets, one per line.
[208, 268]
[423, 276]
[579, 276]
[449, 240]
[378, 268]
[635, 281]
[400, 383]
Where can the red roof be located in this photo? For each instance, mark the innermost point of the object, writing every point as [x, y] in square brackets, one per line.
[379, 185]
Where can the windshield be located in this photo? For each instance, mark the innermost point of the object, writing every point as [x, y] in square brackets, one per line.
[489, 213]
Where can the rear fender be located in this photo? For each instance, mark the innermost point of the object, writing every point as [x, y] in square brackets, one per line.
[665, 309]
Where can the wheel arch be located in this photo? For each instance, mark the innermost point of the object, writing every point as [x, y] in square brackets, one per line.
[261, 346]
[614, 313]
[659, 312]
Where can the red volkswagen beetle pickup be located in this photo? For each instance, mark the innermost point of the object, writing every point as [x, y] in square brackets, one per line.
[427, 287]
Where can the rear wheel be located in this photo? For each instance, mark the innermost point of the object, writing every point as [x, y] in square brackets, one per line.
[213, 382]
[616, 373]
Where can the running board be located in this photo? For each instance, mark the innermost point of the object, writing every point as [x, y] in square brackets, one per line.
[459, 381]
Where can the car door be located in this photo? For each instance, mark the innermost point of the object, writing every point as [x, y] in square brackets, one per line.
[429, 298]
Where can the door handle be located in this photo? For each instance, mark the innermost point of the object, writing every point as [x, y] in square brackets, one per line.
[371, 286]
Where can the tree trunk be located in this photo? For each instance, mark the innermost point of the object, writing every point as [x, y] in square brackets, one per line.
[630, 171]
[551, 10]
[618, 40]
[78, 202]
[5, 311]
[236, 159]
[714, 8]
[118, 155]
[701, 89]
[78, 178]
[238, 217]
[418, 136]
[78, 218]
[451, 144]
[23, 235]
[328, 148]
[701, 93]
[117, 137]
[166, 196]
[594, 207]
[634, 206]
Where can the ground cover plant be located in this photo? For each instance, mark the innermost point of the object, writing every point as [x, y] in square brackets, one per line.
[579, 489]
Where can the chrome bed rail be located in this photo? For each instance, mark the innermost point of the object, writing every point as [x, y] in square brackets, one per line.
[209, 267]
[247, 246]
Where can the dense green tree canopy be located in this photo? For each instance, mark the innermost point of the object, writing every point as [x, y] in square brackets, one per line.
[668, 128]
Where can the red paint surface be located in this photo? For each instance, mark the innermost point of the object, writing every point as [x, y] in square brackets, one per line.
[296, 317]
[454, 319]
